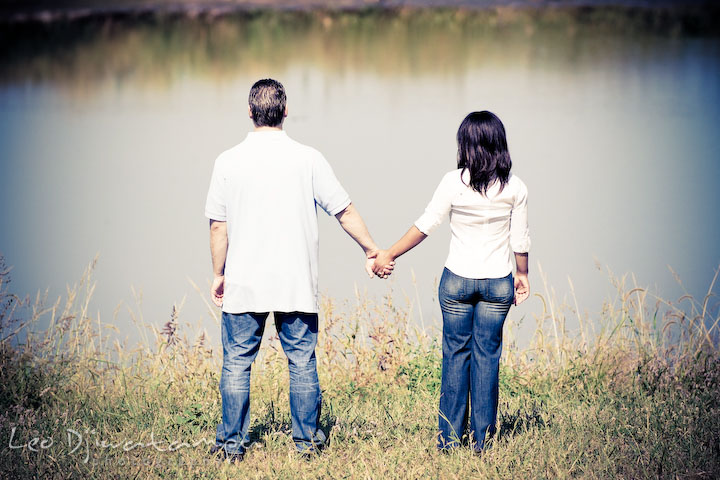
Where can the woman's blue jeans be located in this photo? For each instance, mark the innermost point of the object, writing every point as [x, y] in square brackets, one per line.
[474, 312]
[241, 336]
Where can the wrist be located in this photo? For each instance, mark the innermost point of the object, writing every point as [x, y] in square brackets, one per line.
[372, 249]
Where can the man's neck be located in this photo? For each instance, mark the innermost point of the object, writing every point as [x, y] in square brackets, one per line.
[268, 129]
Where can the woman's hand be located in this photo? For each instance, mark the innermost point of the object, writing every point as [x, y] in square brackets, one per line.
[522, 288]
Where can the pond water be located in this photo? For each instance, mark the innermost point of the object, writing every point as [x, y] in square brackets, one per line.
[109, 130]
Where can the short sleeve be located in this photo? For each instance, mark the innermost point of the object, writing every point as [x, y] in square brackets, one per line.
[328, 192]
[519, 231]
[215, 206]
[439, 205]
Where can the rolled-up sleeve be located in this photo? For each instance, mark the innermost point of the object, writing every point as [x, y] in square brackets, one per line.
[329, 194]
[519, 231]
[215, 205]
[439, 206]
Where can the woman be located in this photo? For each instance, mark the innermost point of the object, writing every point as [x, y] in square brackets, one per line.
[488, 220]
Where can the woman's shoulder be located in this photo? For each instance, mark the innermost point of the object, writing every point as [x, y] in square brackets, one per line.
[454, 180]
[514, 182]
[455, 176]
[516, 188]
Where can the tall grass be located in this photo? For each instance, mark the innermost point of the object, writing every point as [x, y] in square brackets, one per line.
[633, 393]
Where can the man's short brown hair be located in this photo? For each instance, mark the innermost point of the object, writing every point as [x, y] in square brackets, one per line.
[267, 103]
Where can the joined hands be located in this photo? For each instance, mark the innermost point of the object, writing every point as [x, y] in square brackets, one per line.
[379, 263]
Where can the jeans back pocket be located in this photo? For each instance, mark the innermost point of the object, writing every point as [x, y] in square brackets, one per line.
[501, 290]
[452, 285]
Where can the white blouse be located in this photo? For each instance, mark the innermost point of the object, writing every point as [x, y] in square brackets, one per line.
[486, 229]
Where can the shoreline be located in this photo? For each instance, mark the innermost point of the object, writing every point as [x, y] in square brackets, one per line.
[46, 11]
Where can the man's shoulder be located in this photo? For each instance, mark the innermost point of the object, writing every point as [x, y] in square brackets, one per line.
[230, 152]
[236, 155]
[290, 149]
[304, 149]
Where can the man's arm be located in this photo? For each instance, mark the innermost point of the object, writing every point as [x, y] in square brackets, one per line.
[218, 252]
[351, 221]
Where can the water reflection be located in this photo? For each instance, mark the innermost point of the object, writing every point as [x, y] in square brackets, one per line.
[108, 131]
[156, 50]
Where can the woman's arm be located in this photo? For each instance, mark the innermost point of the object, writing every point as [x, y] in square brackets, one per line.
[520, 243]
[435, 212]
[411, 239]
[522, 284]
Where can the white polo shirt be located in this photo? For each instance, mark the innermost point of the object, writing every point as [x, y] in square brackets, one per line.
[267, 189]
[486, 229]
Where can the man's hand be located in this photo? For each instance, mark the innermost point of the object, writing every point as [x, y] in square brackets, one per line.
[370, 262]
[217, 290]
[383, 264]
[522, 288]
[218, 252]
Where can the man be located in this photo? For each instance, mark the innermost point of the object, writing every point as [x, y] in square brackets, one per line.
[264, 244]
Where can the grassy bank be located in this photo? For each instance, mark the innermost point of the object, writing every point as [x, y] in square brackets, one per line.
[638, 398]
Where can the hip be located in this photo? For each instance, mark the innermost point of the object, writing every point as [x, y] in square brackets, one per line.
[463, 289]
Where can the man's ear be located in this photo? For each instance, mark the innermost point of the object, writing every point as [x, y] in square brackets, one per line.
[286, 111]
[250, 112]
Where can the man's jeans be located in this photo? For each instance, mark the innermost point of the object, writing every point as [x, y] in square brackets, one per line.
[241, 335]
[473, 312]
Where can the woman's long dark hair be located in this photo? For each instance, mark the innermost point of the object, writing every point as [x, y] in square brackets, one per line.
[482, 150]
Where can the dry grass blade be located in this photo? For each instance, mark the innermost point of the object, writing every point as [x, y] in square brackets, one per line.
[639, 400]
